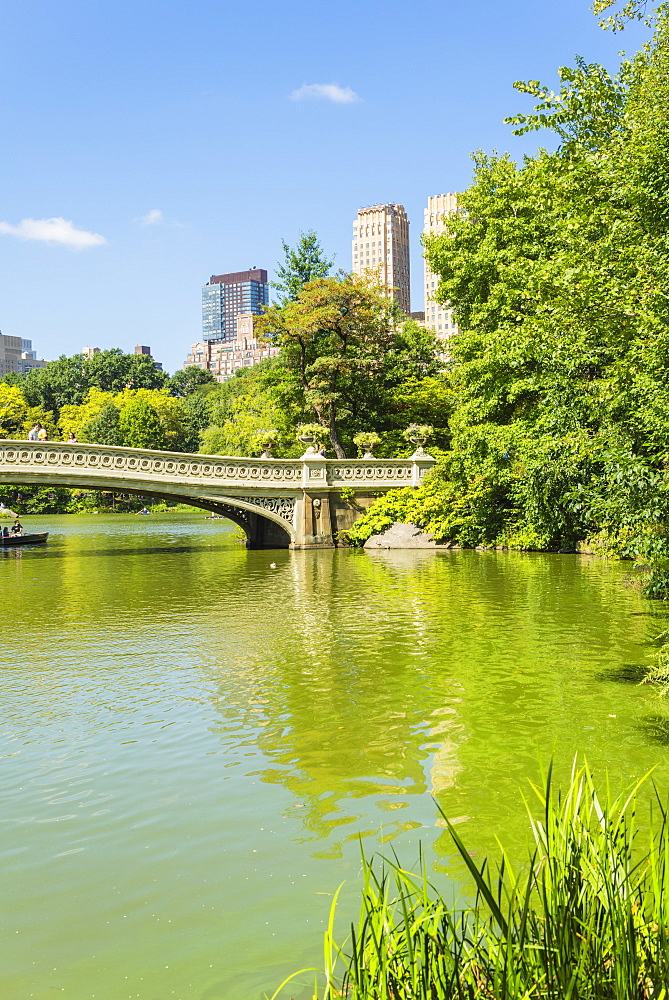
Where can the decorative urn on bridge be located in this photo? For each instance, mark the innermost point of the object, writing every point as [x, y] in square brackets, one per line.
[310, 435]
[366, 442]
[418, 434]
[267, 440]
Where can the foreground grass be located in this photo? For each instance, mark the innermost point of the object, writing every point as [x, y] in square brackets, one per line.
[587, 918]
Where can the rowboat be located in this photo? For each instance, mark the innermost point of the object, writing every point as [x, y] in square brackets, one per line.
[37, 539]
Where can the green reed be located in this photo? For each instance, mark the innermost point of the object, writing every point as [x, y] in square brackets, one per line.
[586, 918]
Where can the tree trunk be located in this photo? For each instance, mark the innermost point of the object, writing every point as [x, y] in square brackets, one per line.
[334, 437]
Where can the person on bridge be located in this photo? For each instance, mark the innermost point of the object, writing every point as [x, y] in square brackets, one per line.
[33, 433]
[42, 434]
[72, 439]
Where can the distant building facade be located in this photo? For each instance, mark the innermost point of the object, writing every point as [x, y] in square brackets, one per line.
[146, 351]
[225, 296]
[17, 355]
[437, 317]
[380, 247]
[224, 358]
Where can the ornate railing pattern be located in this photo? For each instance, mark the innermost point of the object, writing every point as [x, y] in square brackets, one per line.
[283, 506]
[364, 469]
[152, 463]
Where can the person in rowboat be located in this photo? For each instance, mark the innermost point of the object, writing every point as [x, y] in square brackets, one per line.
[17, 527]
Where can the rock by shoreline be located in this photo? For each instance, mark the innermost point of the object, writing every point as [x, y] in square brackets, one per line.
[405, 536]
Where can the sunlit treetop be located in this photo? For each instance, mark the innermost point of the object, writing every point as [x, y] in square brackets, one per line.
[621, 12]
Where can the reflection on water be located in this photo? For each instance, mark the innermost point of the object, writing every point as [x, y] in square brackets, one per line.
[194, 741]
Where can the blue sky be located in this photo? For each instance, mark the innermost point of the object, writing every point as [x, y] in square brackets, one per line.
[170, 140]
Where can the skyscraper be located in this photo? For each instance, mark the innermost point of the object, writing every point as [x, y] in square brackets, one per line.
[437, 317]
[225, 296]
[380, 246]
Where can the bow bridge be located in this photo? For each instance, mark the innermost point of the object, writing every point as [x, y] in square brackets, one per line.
[297, 503]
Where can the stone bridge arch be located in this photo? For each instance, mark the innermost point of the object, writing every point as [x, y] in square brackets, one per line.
[279, 503]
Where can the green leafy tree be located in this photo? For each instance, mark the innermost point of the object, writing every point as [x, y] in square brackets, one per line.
[36, 499]
[343, 351]
[105, 427]
[72, 417]
[221, 399]
[242, 409]
[67, 381]
[16, 417]
[13, 411]
[177, 430]
[306, 262]
[197, 417]
[189, 379]
[586, 113]
[114, 371]
[198, 409]
[559, 274]
[59, 383]
[140, 425]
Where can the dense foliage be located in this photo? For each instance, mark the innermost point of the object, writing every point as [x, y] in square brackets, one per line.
[346, 355]
[68, 380]
[558, 269]
[190, 378]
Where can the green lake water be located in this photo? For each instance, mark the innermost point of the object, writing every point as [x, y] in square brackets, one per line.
[193, 742]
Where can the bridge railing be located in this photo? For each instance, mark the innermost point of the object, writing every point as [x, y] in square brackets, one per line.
[310, 472]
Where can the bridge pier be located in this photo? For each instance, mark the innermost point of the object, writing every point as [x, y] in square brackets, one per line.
[313, 522]
[261, 533]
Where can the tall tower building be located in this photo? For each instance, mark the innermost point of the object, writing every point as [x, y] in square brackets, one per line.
[380, 246]
[437, 317]
[225, 296]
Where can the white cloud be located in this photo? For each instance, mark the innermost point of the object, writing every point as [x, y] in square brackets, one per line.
[152, 218]
[326, 92]
[56, 230]
[157, 218]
